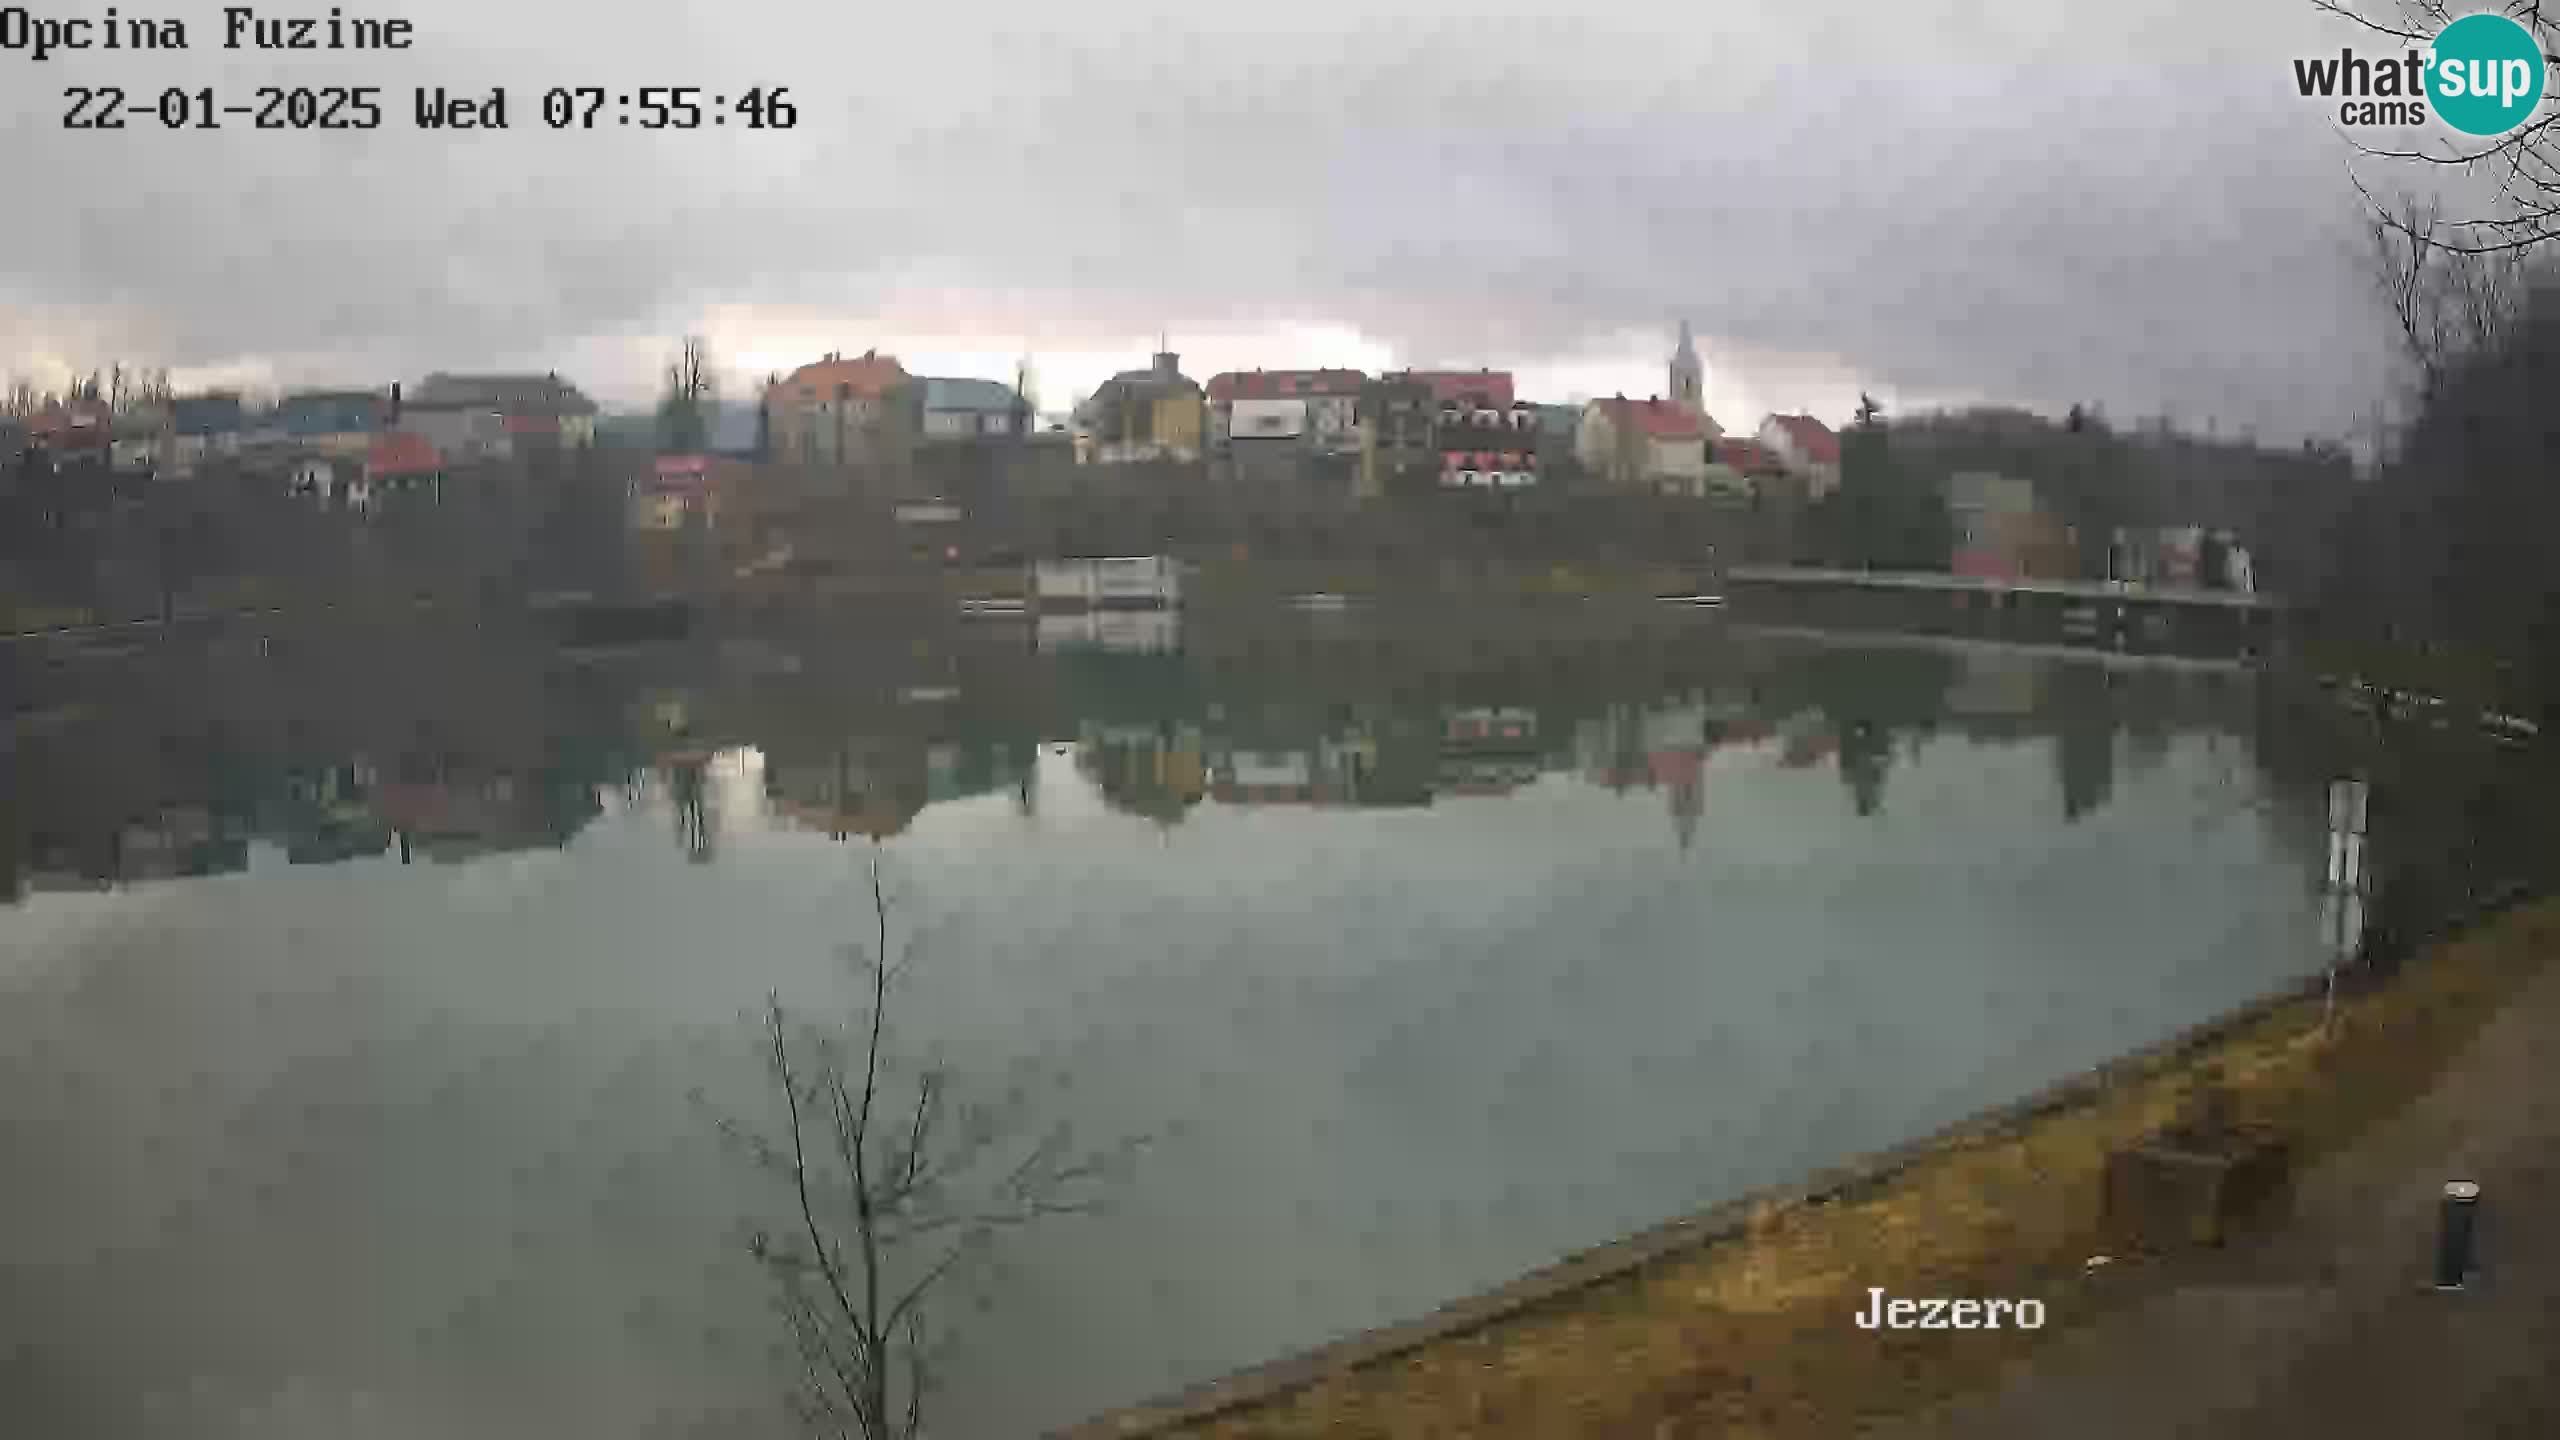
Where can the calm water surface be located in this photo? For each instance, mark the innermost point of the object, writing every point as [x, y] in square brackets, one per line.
[1409, 986]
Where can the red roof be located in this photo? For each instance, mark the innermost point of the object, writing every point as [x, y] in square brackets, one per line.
[411, 807]
[1283, 384]
[77, 416]
[1660, 419]
[693, 474]
[1677, 767]
[1748, 456]
[1805, 751]
[1446, 385]
[1811, 436]
[399, 452]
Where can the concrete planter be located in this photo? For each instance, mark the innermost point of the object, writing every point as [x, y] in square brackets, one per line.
[2190, 1183]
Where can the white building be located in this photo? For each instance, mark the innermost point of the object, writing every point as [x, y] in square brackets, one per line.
[1113, 582]
[1807, 448]
[1645, 442]
[2243, 574]
[1283, 420]
[1328, 401]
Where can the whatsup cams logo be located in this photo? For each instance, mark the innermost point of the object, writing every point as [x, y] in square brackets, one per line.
[2483, 76]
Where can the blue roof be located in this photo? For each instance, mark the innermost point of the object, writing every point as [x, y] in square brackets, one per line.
[991, 397]
[330, 414]
[734, 431]
[205, 414]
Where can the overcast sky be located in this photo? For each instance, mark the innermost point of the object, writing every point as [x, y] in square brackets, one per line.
[1939, 201]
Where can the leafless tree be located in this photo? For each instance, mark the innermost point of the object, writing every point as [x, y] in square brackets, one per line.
[2447, 301]
[2522, 166]
[892, 1190]
[684, 410]
[689, 374]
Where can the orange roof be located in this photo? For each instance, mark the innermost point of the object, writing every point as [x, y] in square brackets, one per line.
[398, 452]
[869, 374]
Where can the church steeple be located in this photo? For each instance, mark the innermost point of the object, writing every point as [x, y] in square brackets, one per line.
[1688, 376]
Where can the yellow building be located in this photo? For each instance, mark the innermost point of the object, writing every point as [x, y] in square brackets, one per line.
[1156, 772]
[1179, 421]
[1153, 414]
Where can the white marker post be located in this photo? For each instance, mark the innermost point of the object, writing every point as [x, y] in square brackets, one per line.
[2342, 900]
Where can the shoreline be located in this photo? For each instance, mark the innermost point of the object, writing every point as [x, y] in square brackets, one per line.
[2047, 1149]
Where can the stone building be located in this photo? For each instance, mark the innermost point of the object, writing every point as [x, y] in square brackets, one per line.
[841, 412]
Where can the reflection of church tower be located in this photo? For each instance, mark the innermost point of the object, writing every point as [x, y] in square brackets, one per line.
[1688, 376]
[1688, 801]
[694, 827]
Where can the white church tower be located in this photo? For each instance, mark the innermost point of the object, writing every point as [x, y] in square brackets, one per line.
[1688, 377]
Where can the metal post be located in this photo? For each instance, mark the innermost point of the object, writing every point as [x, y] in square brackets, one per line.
[2344, 885]
[2454, 1232]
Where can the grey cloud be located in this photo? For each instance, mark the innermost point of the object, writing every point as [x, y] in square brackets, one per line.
[1995, 198]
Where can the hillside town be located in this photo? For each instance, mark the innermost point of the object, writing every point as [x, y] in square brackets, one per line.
[951, 455]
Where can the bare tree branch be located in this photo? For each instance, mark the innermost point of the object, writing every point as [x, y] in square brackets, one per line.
[888, 1195]
[800, 1166]
[2529, 190]
[915, 1292]
[2332, 7]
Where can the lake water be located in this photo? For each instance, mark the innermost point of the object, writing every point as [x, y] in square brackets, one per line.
[1412, 970]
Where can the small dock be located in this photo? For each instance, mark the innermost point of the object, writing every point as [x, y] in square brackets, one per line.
[2087, 614]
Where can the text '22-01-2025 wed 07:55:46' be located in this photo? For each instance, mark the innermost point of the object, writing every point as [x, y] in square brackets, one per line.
[361, 107]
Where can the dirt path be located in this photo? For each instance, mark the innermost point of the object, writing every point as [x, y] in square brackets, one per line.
[2327, 1327]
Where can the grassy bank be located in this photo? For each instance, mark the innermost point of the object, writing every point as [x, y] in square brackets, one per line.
[1750, 1333]
[27, 617]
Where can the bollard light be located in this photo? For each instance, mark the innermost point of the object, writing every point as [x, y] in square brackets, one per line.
[2454, 1235]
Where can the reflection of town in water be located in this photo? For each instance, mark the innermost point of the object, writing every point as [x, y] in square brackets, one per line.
[1232, 894]
[723, 735]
